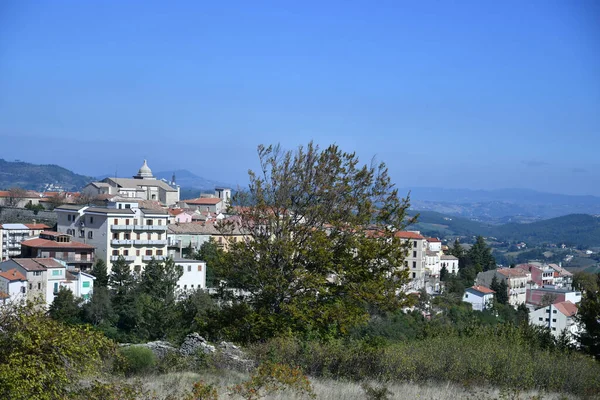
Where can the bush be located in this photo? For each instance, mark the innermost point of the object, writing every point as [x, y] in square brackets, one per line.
[136, 360]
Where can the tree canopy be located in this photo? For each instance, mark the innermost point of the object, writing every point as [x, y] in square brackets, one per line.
[323, 251]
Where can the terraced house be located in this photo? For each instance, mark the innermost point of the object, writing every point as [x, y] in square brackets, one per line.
[120, 229]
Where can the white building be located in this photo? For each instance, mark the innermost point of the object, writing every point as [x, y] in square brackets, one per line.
[194, 274]
[557, 317]
[13, 286]
[143, 186]
[415, 260]
[45, 276]
[137, 234]
[213, 203]
[480, 297]
[450, 262]
[11, 236]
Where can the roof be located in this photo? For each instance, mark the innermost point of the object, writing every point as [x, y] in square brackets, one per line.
[14, 226]
[29, 264]
[203, 201]
[175, 211]
[46, 243]
[566, 307]
[13, 275]
[48, 262]
[106, 210]
[560, 270]
[433, 240]
[26, 195]
[150, 211]
[482, 289]
[37, 226]
[448, 257]
[408, 235]
[67, 207]
[132, 183]
[512, 272]
[431, 253]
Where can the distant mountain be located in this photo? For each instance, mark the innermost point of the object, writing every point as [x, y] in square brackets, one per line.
[575, 229]
[189, 180]
[503, 205]
[40, 177]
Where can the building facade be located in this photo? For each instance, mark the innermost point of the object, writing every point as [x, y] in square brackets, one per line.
[480, 297]
[558, 317]
[77, 255]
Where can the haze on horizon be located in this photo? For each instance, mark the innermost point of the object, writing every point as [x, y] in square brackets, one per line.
[479, 95]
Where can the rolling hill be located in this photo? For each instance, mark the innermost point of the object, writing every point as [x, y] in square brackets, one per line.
[38, 177]
[574, 229]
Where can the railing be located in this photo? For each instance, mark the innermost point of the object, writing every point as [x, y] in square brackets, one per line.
[150, 227]
[127, 258]
[120, 242]
[157, 258]
[73, 258]
[122, 227]
[147, 242]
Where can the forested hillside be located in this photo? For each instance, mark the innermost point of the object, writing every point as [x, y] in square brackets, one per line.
[575, 229]
[36, 177]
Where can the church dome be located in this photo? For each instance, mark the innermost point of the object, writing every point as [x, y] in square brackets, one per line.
[145, 171]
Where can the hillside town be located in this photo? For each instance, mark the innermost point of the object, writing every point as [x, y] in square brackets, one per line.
[142, 219]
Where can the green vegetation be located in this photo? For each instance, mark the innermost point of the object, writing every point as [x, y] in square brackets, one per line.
[136, 360]
[34, 177]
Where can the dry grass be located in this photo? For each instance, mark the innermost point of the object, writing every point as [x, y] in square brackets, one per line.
[176, 384]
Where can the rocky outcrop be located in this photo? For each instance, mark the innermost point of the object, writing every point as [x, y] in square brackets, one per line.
[194, 343]
[233, 357]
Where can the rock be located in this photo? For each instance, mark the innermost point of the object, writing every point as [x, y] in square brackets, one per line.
[233, 357]
[159, 348]
[193, 343]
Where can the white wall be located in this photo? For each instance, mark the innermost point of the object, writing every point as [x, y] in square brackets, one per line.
[194, 275]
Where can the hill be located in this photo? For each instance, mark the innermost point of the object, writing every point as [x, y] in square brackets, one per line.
[502, 205]
[574, 230]
[189, 180]
[39, 177]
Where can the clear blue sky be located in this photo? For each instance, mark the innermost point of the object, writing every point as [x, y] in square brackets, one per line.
[472, 94]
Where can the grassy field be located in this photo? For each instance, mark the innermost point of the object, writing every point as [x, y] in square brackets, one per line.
[176, 384]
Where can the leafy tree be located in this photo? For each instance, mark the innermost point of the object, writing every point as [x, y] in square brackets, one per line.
[312, 266]
[502, 294]
[41, 358]
[65, 307]
[15, 195]
[98, 311]
[157, 297]
[122, 284]
[444, 274]
[214, 256]
[584, 281]
[522, 314]
[547, 299]
[457, 250]
[121, 279]
[588, 316]
[455, 285]
[194, 310]
[101, 273]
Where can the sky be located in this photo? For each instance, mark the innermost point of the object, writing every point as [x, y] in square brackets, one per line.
[457, 94]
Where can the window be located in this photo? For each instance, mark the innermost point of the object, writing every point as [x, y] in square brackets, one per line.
[30, 286]
[115, 252]
[137, 252]
[91, 220]
[23, 289]
[159, 236]
[541, 319]
[199, 268]
[56, 272]
[115, 236]
[37, 273]
[81, 233]
[184, 287]
[414, 264]
[553, 328]
[414, 275]
[415, 244]
[127, 205]
[554, 312]
[116, 221]
[192, 286]
[86, 284]
[553, 319]
[55, 287]
[547, 319]
[90, 235]
[69, 217]
[139, 236]
[148, 252]
[125, 252]
[189, 268]
[127, 237]
[137, 268]
[127, 221]
[148, 222]
[414, 254]
[39, 285]
[466, 295]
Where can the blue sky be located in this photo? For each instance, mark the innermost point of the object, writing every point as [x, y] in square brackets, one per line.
[467, 94]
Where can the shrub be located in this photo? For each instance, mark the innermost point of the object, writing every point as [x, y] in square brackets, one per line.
[136, 360]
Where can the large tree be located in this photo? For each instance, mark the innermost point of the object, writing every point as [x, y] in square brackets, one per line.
[323, 251]
[588, 316]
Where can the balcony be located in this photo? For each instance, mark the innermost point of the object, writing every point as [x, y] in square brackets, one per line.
[157, 258]
[150, 227]
[121, 227]
[149, 242]
[127, 258]
[119, 242]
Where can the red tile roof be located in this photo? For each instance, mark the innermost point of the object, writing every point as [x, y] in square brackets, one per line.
[175, 211]
[203, 201]
[45, 243]
[512, 272]
[37, 226]
[567, 308]
[483, 289]
[408, 235]
[433, 240]
[13, 275]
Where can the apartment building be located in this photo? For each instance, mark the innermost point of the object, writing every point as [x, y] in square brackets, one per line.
[415, 260]
[76, 255]
[558, 317]
[13, 286]
[122, 229]
[11, 236]
[516, 279]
